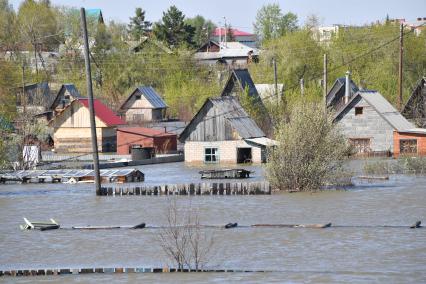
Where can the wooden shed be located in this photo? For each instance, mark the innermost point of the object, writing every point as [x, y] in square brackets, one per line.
[222, 132]
[161, 141]
[143, 104]
[415, 108]
[71, 127]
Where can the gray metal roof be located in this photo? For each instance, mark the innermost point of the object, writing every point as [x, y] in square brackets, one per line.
[338, 89]
[238, 117]
[71, 89]
[151, 95]
[388, 112]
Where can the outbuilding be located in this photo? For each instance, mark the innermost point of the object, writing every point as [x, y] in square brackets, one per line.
[411, 142]
[160, 141]
[223, 132]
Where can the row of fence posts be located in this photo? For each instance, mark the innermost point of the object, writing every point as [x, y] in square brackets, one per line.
[228, 188]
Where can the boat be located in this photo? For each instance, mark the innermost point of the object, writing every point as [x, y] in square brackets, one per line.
[42, 226]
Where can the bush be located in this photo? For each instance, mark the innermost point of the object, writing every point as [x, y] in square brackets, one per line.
[310, 152]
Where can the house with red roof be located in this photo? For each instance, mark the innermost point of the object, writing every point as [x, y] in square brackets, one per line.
[71, 127]
[243, 37]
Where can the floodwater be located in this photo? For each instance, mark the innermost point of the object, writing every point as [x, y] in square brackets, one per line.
[351, 254]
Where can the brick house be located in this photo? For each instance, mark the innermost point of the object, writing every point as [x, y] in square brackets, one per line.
[71, 127]
[222, 132]
[161, 141]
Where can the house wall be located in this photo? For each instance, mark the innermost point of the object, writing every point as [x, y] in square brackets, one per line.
[368, 125]
[194, 151]
[162, 144]
[421, 142]
[141, 107]
[76, 115]
[78, 140]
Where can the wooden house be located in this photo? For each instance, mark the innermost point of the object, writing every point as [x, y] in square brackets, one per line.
[415, 108]
[142, 105]
[369, 121]
[160, 141]
[33, 98]
[222, 132]
[71, 127]
[67, 93]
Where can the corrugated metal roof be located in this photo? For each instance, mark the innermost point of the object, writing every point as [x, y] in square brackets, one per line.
[72, 90]
[262, 141]
[246, 127]
[103, 112]
[339, 88]
[151, 95]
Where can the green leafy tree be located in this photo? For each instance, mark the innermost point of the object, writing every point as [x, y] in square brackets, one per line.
[271, 23]
[173, 30]
[8, 27]
[138, 26]
[202, 29]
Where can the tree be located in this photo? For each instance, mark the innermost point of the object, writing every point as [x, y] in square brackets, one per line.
[173, 30]
[8, 33]
[138, 26]
[230, 33]
[271, 23]
[312, 21]
[202, 29]
[310, 152]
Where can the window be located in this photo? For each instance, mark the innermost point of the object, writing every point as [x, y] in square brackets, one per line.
[137, 96]
[361, 145]
[211, 155]
[358, 110]
[407, 146]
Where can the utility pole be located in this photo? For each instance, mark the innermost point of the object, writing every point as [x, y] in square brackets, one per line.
[225, 32]
[401, 53]
[23, 98]
[324, 83]
[274, 62]
[91, 104]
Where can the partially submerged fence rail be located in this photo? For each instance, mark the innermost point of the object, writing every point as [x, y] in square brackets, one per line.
[215, 188]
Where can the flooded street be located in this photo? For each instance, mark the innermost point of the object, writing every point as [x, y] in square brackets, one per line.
[296, 255]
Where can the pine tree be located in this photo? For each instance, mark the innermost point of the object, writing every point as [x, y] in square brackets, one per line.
[138, 27]
[173, 30]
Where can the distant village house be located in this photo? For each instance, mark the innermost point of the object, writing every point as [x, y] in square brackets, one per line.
[144, 104]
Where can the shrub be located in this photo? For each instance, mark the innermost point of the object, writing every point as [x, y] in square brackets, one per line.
[310, 152]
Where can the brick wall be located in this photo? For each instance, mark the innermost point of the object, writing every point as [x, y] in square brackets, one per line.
[162, 144]
[194, 151]
[421, 142]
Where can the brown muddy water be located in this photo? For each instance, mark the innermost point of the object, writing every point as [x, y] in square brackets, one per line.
[385, 255]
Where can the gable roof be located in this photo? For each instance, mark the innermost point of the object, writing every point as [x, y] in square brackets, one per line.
[243, 79]
[36, 94]
[382, 107]
[65, 87]
[235, 32]
[232, 110]
[102, 112]
[232, 49]
[150, 94]
[338, 88]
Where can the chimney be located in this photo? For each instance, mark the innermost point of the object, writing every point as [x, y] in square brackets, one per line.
[347, 87]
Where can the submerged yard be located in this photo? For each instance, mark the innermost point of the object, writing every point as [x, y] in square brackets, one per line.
[297, 255]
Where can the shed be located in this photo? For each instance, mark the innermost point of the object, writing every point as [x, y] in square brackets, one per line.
[35, 98]
[415, 108]
[221, 132]
[71, 127]
[161, 141]
[143, 104]
[411, 142]
[368, 120]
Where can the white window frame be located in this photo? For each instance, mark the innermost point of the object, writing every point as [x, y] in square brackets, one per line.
[216, 154]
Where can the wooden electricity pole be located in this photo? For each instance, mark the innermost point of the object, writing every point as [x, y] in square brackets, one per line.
[274, 62]
[324, 82]
[401, 54]
[91, 104]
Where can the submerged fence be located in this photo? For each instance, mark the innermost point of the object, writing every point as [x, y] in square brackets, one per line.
[215, 188]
